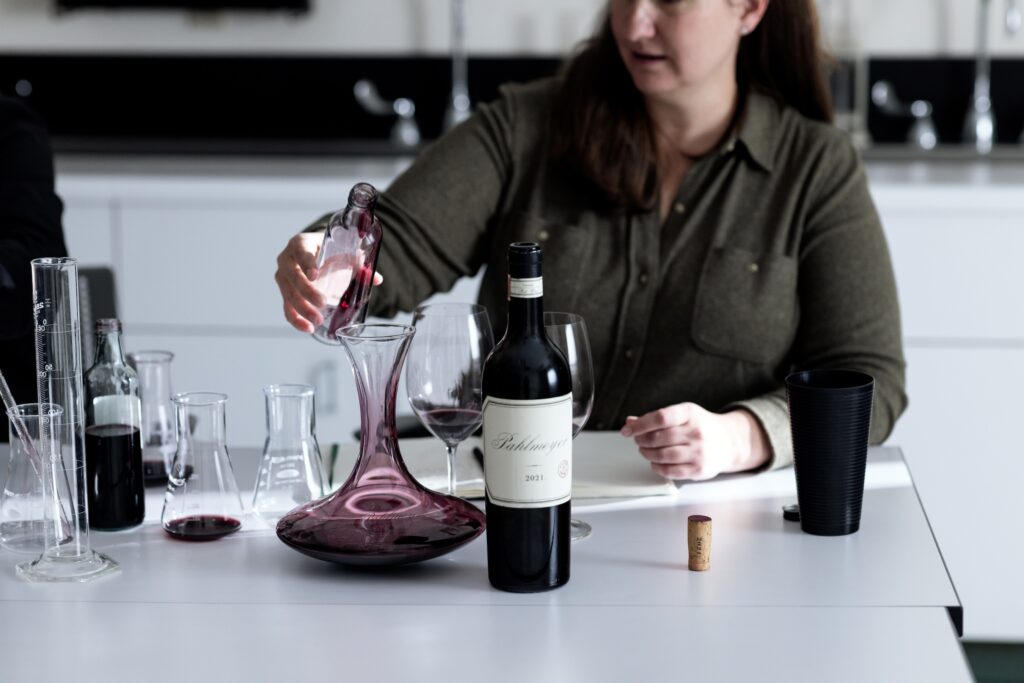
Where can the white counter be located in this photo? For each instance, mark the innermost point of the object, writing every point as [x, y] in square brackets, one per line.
[777, 604]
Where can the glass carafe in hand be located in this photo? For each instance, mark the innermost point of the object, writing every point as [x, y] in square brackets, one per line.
[381, 515]
[291, 472]
[346, 263]
[154, 371]
[113, 442]
[202, 501]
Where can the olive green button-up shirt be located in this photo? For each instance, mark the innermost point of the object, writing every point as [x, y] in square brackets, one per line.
[772, 258]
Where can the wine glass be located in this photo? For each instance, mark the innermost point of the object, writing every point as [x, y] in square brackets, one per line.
[444, 372]
[568, 332]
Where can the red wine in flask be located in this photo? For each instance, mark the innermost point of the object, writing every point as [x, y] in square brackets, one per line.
[527, 438]
[346, 263]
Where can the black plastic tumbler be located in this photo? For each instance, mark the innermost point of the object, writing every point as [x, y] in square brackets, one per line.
[830, 420]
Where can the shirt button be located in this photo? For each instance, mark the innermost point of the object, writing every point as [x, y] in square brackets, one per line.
[643, 279]
[754, 267]
[543, 235]
[679, 207]
[628, 353]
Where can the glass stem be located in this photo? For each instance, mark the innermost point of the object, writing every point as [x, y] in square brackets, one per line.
[451, 468]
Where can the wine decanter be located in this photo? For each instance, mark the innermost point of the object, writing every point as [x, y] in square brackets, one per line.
[381, 515]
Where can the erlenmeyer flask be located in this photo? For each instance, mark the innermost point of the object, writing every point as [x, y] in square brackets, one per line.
[202, 501]
[154, 371]
[291, 472]
[22, 512]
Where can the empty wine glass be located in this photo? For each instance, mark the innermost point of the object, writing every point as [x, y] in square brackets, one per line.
[568, 332]
[444, 372]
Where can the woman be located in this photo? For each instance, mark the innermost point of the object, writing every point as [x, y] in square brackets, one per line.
[694, 205]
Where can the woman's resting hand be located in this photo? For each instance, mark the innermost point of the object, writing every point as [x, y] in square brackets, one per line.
[685, 441]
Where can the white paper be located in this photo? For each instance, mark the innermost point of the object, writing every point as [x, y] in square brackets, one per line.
[605, 465]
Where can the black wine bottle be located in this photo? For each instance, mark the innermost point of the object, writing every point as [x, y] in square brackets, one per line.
[527, 438]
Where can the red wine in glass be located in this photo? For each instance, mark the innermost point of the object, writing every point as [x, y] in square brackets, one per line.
[202, 527]
[444, 369]
[451, 425]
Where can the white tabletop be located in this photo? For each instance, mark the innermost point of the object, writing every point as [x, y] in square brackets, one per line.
[176, 642]
[630, 606]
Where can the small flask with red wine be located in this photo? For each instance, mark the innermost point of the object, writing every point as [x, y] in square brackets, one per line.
[202, 502]
[346, 263]
[527, 439]
[113, 444]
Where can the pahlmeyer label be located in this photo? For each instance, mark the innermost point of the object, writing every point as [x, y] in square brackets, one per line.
[528, 451]
[526, 288]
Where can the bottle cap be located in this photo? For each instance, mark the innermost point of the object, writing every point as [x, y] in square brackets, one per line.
[791, 513]
[524, 253]
[524, 260]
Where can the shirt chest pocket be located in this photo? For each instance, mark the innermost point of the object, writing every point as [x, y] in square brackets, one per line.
[567, 246]
[747, 305]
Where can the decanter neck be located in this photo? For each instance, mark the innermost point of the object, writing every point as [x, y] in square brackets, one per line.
[377, 353]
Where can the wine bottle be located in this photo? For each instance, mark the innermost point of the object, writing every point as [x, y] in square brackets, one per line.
[527, 438]
[113, 443]
[346, 263]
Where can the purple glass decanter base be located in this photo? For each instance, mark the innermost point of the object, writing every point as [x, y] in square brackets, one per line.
[381, 525]
[381, 515]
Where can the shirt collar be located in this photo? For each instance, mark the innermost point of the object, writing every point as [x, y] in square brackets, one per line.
[757, 130]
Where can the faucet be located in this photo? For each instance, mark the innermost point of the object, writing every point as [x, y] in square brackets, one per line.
[922, 133]
[405, 132]
[458, 104]
[980, 124]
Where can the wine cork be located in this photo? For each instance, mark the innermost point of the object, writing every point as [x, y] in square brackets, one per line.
[698, 540]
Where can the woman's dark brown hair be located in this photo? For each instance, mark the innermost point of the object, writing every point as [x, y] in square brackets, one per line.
[601, 127]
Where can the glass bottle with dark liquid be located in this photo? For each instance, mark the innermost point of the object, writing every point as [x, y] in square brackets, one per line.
[346, 263]
[527, 439]
[113, 444]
